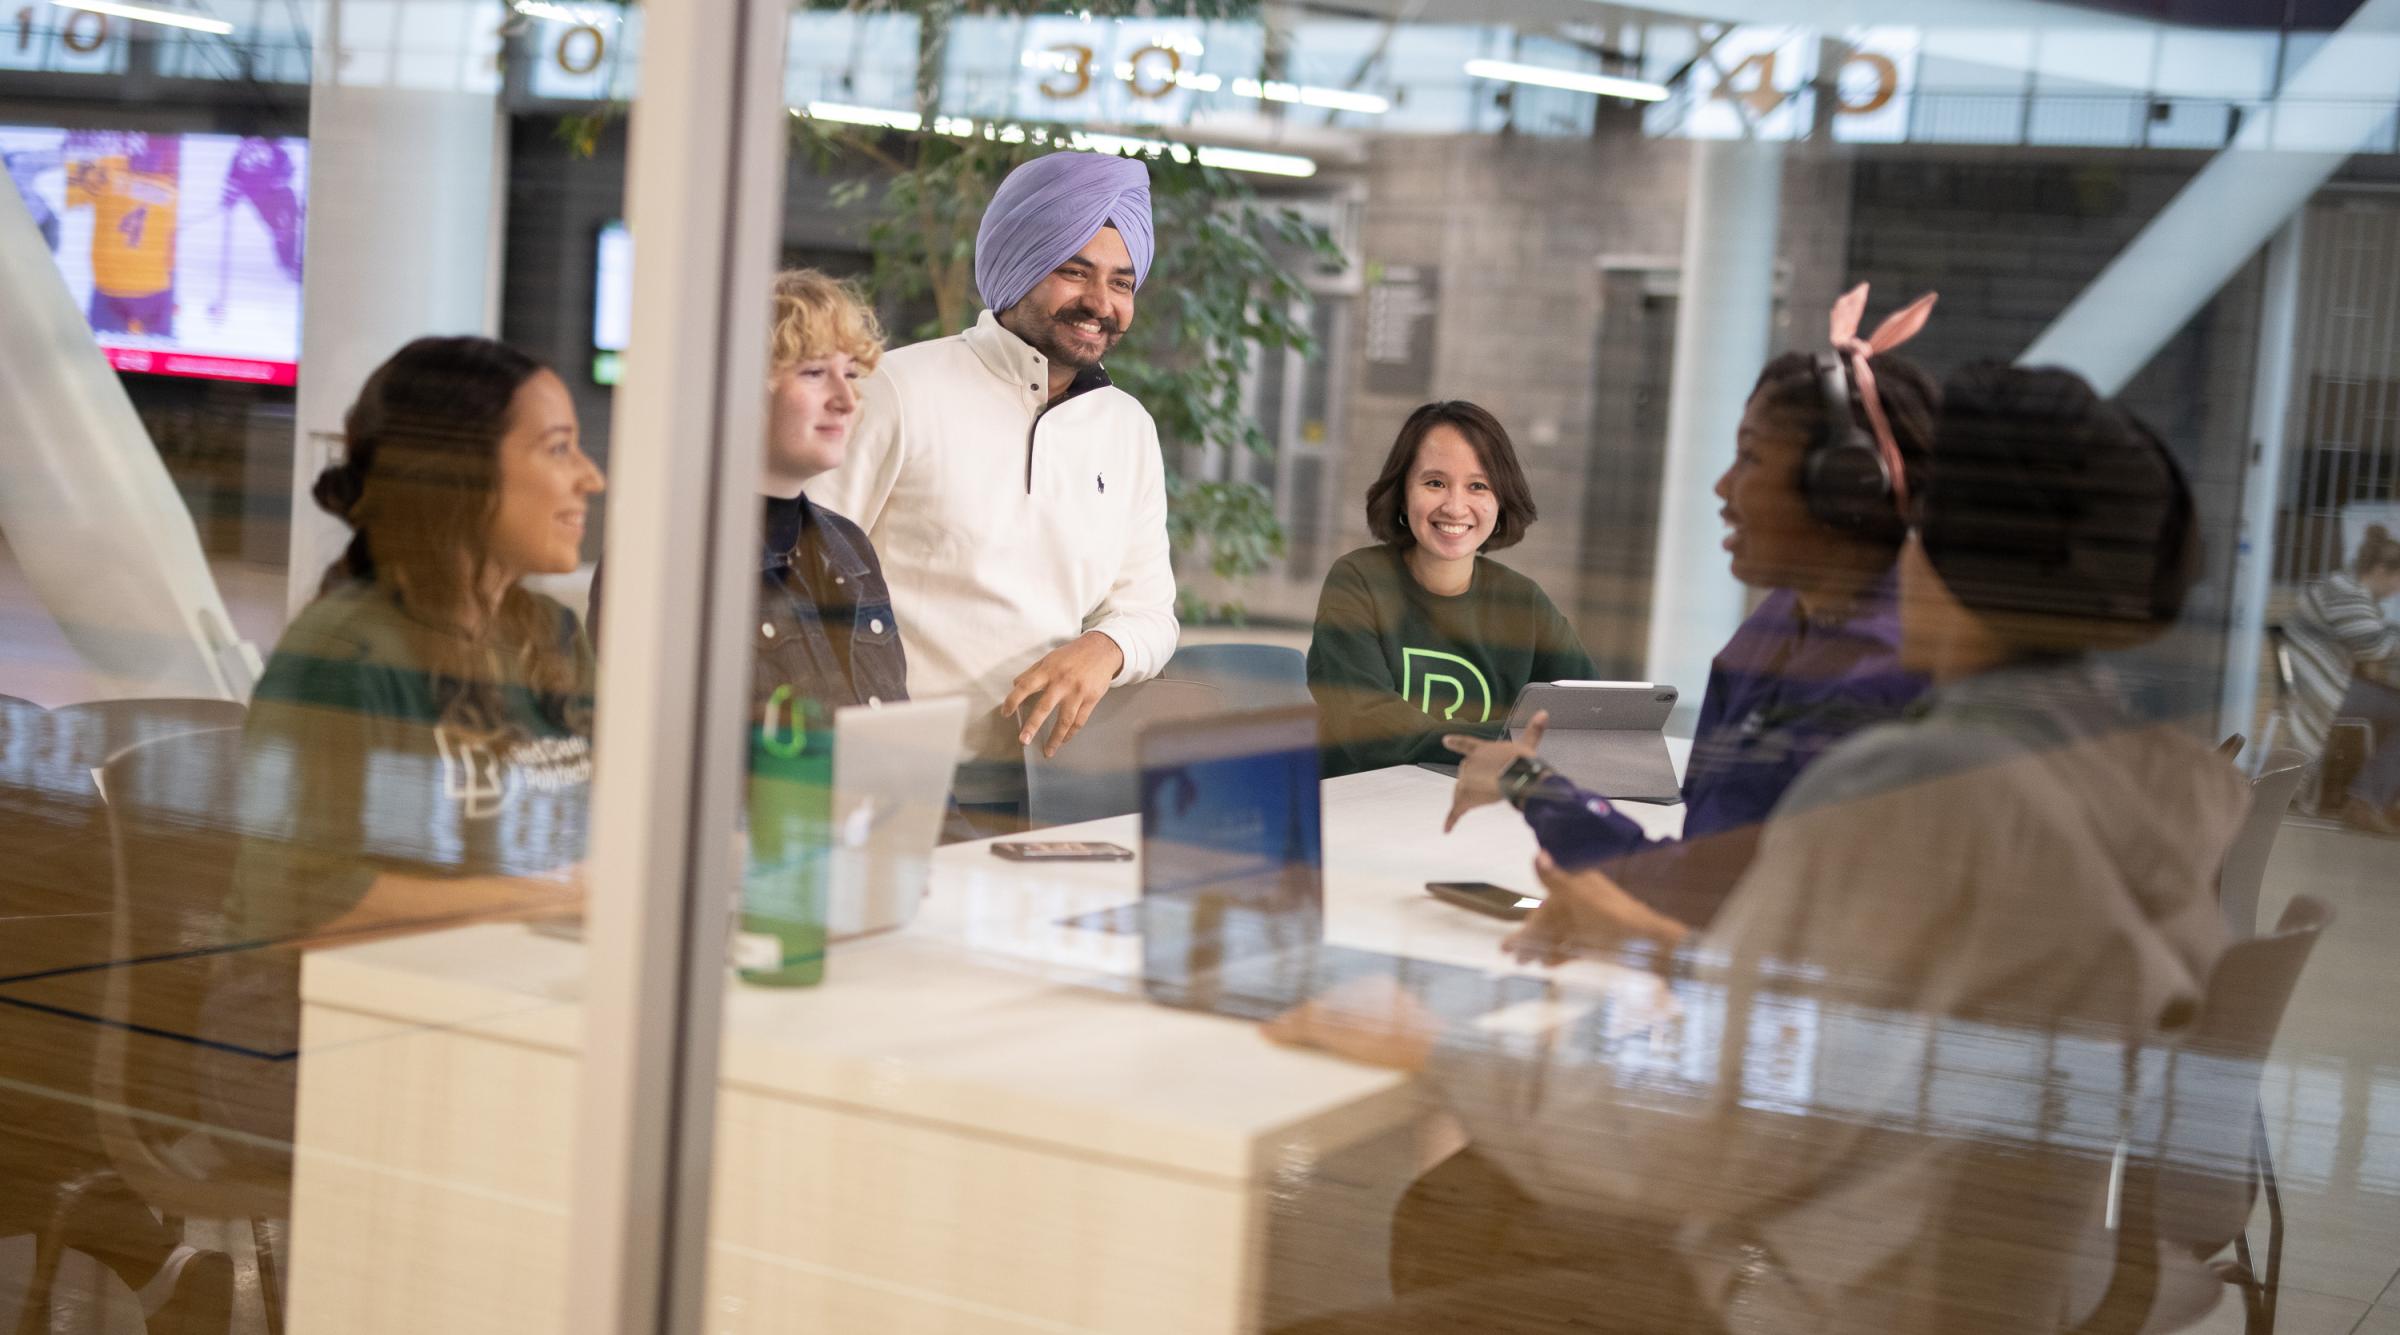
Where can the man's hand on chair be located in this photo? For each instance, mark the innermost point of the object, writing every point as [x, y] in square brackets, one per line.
[1068, 682]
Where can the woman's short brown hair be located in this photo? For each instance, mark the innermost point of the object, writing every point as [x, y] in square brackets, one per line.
[1387, 502]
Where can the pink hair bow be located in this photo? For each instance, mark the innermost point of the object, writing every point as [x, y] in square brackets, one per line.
[1897, 328]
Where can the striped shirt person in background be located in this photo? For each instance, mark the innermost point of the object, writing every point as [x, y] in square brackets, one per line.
[2346, 664]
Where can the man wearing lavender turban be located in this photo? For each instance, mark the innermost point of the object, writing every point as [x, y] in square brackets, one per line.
[1017, 496]
[1047, 209]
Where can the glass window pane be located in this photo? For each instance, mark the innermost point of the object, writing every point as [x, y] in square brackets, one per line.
[302, 503]
[1191, 444]
[1922, 944]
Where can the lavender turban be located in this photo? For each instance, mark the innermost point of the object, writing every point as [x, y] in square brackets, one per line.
[1047, 209]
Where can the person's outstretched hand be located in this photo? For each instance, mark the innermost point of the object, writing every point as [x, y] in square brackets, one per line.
[1479, 772]
[1068, 682]
[1586, 913]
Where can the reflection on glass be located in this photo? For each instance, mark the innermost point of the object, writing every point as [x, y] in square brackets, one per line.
[418, 752]
[1232, 860]
[2009, 935]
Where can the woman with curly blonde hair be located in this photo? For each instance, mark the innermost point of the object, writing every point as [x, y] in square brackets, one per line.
[827, 637]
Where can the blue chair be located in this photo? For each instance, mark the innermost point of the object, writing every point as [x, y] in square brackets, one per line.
[1099, 772]
[1248, 676]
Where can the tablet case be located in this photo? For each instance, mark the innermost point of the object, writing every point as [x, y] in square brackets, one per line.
[1606, 738]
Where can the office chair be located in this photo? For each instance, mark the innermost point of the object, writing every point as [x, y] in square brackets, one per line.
[1248, 676]
[60, 864]
[99, 729]
[174, 824]
[1099, 772]
[2280, 650]
[2272, 788]
[2190, 1193]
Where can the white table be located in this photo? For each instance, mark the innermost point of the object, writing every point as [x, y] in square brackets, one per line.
[968, 1127]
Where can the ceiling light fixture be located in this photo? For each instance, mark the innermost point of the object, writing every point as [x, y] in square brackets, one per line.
[1574, 81]
[849, 115]
[1331, 99]
[146, 14]
[961, 127]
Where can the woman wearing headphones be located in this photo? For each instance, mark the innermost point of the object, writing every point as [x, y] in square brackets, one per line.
[1823, 459]
[2014, 888]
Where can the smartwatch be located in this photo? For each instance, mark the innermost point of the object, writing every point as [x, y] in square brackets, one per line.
[1520, 777]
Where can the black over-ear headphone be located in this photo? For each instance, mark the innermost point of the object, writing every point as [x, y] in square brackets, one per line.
[1844, 479]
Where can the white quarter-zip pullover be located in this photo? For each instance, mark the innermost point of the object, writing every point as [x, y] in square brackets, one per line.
[1006, 526]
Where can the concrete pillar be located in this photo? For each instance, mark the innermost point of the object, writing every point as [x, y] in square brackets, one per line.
[1723, 322]
[2254, 551]
[407, 155]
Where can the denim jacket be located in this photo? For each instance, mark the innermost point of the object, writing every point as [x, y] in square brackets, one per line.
[825, 623]
[826, 629]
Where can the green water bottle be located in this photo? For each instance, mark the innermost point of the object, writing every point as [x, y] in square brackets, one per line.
[782, 938]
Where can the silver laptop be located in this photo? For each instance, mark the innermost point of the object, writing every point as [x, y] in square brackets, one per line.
[891, 786]
[891, 789]
[1609, 737]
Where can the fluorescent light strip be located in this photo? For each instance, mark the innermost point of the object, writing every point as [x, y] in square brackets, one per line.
[1332, 99]
[1251, 160]
[145, 14]
[589, 15]
[1117, 143]
[1224, 159]
[850, 115]
[961, 127]
[1574, 81]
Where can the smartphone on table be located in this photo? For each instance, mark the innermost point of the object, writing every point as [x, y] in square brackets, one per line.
[1061, 850]
[1486, 898]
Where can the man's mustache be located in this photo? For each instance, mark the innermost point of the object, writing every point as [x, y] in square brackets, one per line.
[1070, 316]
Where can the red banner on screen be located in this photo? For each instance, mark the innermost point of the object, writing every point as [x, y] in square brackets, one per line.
[204, 368]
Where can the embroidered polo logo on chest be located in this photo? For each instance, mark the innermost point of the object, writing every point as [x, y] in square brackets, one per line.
[1101, 481]
[1424, 675]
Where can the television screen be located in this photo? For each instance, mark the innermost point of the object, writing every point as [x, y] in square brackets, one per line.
[182, 250]
[612, 302]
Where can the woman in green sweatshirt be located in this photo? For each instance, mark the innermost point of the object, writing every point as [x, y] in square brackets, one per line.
[1421, 634]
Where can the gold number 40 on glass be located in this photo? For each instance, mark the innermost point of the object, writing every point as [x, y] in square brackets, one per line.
[1762, 96]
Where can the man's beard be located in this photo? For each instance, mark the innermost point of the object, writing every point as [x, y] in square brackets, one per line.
[1047, 334]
